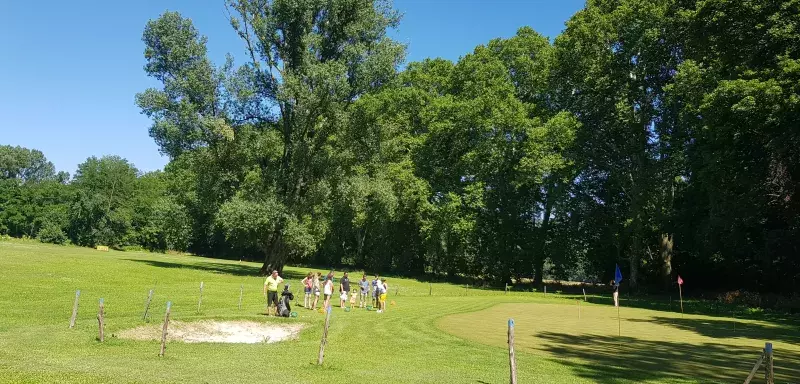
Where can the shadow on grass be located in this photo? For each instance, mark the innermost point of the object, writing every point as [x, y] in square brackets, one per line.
[604, 359]
[724, 329]
[223, 268]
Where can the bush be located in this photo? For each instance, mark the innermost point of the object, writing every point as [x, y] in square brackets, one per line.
[51, 233]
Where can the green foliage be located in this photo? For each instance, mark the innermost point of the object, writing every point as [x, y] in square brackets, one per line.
[658, 135]
[26, 165]
[52, 233]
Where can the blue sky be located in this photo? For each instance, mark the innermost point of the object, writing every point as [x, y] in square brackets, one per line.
[70, 69]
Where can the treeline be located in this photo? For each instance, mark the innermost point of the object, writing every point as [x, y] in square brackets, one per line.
[108, 202]
[661, 135]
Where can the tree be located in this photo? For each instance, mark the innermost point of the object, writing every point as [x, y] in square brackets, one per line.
[103, 210]
[26, 165]
[615, 59]
[309, 61]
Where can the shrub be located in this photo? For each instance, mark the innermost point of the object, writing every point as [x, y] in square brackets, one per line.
[51, 233]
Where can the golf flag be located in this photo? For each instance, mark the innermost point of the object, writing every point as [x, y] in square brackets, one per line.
[617, 275]
[680, 281]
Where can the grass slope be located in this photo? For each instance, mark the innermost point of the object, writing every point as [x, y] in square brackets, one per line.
[453, 336]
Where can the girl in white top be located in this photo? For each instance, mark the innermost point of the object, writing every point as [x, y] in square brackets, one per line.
[327, 291]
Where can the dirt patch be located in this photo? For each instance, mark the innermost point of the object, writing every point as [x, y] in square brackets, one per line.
[207, 331]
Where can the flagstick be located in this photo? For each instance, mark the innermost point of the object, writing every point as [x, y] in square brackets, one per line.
[619, 322]
[680, 292]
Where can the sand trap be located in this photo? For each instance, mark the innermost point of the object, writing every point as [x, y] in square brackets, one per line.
[208, 331]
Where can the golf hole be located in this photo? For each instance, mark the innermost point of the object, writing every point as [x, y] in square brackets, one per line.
[207, 331]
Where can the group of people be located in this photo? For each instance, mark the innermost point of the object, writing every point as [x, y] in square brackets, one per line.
[314, 286]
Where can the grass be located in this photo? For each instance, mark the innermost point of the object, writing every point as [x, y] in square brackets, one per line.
[455, 335]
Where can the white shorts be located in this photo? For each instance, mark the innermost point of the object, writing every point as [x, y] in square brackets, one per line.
[316, 293]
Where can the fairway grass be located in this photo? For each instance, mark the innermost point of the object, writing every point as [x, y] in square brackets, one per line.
[653, 347]
[453, 336]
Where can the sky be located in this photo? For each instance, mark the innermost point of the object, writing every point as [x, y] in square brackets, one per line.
[70, 70]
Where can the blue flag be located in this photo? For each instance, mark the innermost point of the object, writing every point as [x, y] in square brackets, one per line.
[617, 275]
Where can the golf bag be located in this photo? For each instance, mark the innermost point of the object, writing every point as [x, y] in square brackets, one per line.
[284, 304]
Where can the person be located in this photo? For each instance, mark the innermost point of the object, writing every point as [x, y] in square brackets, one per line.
[375, 282]
[316, 288]
[271, 290]
[344, 290]
[380, 294]
[327, 291]
[616, 292]
[284, 305]
[308, 282]
[353, 296]
[364, 288]
[382, 298]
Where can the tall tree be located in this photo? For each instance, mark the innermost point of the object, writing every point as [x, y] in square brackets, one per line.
[309, 62]
[26, 165]
[615, 58]
[103, 210]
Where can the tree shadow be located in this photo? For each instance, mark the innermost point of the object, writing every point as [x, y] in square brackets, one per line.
[724, 329]
[605, 359]
[222, 268]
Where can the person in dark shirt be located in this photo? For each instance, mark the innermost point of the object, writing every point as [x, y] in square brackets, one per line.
[344, 289]
[284, 305]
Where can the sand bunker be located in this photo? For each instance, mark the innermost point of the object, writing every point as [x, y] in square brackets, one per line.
[207, 331]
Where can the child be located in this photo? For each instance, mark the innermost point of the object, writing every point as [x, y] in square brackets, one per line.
[364, 287]
[353, 298]
[375, 289]
[316, 288]
[327, 291]
[382, 298]
[307, 285]
[284, 305]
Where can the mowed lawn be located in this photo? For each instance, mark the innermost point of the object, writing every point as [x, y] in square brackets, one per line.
[453, 336]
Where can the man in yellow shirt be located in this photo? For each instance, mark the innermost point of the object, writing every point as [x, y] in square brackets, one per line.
[271, 291]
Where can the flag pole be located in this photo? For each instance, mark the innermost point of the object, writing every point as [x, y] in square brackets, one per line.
[680, 292]
[619, 322]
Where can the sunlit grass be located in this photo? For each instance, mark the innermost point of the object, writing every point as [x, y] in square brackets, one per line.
[435, 333]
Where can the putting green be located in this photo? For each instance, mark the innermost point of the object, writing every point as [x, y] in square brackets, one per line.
[654, 346]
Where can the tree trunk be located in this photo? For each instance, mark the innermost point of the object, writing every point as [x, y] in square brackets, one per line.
[634, 258]
[274, 256]
[361, 236]
[666, 258]
[538, 257]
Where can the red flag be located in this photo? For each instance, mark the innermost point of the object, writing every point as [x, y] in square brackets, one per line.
[680, 281]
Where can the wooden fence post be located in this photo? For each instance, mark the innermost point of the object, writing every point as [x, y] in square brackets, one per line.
[147, 305]
[200, 301]
[241, 290]
[164, 330]
[324, 336]
[74, 309]
[769, 375]
[101, 320]
[512, 360]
